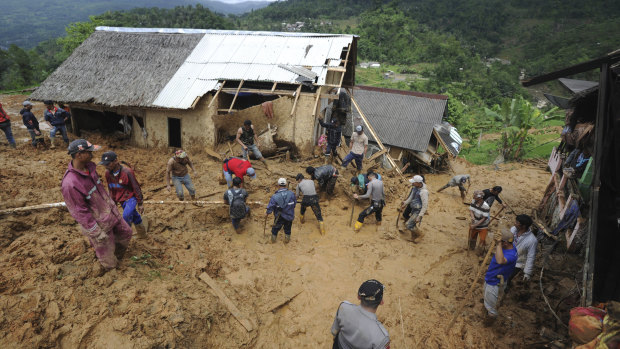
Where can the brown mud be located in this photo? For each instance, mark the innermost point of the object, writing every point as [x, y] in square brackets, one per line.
[53, 292]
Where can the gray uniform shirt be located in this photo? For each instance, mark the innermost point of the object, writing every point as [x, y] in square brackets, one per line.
[306, 187]
[375, 191]
[456, 180]
[359, 329]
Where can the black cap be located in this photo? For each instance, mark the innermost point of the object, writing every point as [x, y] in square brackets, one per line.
[48, 102]
[79, 145]
[299, 177]
[310, 170]
[107, 158]
[371, 291]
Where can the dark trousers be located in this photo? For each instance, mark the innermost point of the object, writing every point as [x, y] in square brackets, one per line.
[376, 207]
[279, 223]
[329, 185]
[311, 201]
[351, 156]
[407, 213]
[331, 149]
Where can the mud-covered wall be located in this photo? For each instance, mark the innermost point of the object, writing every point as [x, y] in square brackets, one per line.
[197, 129]
[297, 128]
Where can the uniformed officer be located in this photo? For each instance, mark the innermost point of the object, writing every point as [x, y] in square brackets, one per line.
[356, 326]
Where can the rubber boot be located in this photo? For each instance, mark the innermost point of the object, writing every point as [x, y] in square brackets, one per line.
[472, 244]
[358, 226]
[273, 238]
[141, 230]
[193, 197]
[52, 143]
[287, 239]
[322, 228]
[301, 219]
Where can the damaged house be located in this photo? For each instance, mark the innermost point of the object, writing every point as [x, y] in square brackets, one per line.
[193, 88]
[408, 123]
[581, 204]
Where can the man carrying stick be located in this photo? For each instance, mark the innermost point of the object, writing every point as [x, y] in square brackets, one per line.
[480, 219]
[502, 264]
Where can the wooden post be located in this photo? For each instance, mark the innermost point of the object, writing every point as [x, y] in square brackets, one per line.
[216, 94]
[235, 98]
[297, 93]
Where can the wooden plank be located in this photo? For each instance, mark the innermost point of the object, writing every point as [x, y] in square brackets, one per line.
[216, 94]
[374, 134]
[346, 59]
[316, 103]
[377, 154]
[273, 88]
[296, 99]
[213, 153]
[243, 320]
[235, 98]
[405, 167]
[442, 142]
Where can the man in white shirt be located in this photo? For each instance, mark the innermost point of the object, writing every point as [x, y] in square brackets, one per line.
[526, 244]
[359, 146]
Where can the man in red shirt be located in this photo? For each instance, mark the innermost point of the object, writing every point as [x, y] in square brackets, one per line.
[237, 167]
[124, 189]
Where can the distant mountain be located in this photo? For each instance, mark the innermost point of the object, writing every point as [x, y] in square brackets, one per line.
[27, 23]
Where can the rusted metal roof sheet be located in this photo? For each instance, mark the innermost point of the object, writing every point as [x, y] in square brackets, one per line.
[404, 119]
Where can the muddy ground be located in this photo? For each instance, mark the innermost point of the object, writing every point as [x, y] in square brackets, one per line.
[54, 294]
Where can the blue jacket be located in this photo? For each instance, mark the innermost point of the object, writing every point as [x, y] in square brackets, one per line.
[30, 121]
[283, 202]
[58, 117]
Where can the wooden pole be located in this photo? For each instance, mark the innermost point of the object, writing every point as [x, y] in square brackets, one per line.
[216, 94]
[471, 288]
[235, 98]
[236, 313]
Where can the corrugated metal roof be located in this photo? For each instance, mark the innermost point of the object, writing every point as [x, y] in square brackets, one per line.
[576, 86]
[249, 56]
[403, 119]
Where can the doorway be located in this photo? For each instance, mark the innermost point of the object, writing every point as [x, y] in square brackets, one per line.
[174, 132]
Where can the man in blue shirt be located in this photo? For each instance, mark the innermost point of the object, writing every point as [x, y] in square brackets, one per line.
[282, 204]
[502, 264]
[57, 119]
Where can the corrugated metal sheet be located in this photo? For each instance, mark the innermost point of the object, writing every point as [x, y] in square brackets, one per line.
[399, 118]
[576, 86]
[249, 56]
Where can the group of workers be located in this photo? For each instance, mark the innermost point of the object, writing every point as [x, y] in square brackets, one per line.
[56, 117]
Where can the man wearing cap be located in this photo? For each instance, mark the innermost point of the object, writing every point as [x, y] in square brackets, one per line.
[310, 199]
[376, 195]
[177, 170]
[235, 197]
[356, 326]
[502, 264]
[91, 206]
[479, 211]
[360, 182]
[249, 141]
[31, 123]
[326, 175]
[124, 189]
[57, 119]
[492, 195]
[282, 204]
[359, 146]
[418, 201]
[526, 244]
[458, 180]
[238, 167]
[334, 135]
[5, 125]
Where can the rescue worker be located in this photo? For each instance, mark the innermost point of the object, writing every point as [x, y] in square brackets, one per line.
[125, 190]
[503, 263]
[492, 195]
[458, 180]
[418, 201]
[238, 167]
[235, 197]
[356, 326]
[480, 218]
[325, 175]
[334, 135]
[310, 199]
[57, 119]
[407, 211]
[376, 195]
[526, 244]
[361, 181]
[359, 146]
[177, 174]
[91, 206]
[5, 125]
[249, 142]
[282, 204]
[31, 123]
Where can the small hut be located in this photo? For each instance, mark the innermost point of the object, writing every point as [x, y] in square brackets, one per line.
[193, 88]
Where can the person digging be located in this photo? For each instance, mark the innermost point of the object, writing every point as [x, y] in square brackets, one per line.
[310, 199]
[418, 202]
[235, 197]
[479, 212]
[124, 190]
[377, 201]
[325, 175]
[458, 181]
[502, 264]
[282, 204]
[249, 142]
